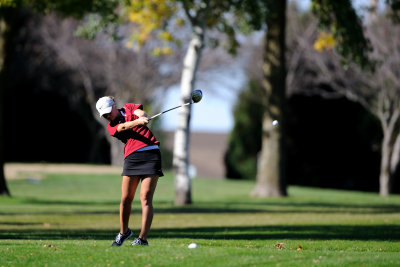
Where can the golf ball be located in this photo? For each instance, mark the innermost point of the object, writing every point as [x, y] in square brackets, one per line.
[275, 123]
[192, 245]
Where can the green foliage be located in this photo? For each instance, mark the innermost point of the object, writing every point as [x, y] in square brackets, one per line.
[338, 17]
[95, 24]
[70, 220]
[341, 19]
[73, 8]
[160, 19]
[153, 18]
[8, 3]
[253, 14]
[245, 138]
[104, 12]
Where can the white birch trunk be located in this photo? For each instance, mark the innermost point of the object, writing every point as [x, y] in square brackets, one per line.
[181, 143]
[388, 148]
[384, 176]
[395, 159]
[116, 151]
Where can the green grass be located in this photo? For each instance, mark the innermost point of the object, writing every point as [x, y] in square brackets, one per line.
[71, 220]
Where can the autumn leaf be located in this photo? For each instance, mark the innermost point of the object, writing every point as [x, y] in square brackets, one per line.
[151, 16]
[324, 41]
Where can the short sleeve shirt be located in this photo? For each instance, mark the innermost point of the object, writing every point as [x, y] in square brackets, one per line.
[136, 138]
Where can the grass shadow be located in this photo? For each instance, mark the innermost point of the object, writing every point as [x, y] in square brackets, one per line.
[270, 232]
[167, 207]
[314, 232]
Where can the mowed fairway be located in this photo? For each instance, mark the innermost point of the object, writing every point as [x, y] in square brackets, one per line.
[71, 220]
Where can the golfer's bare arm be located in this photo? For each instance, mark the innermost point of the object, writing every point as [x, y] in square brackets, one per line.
[142, 120]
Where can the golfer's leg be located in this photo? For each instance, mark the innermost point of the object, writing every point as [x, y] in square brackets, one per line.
[129, 185]
[147, 189]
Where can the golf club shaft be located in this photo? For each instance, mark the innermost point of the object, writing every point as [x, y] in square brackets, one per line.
[154, 116]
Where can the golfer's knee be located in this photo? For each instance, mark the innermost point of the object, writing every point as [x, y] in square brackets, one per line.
[146, 199]
[126, 201]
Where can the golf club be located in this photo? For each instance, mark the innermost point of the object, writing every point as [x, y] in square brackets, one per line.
[197, 95]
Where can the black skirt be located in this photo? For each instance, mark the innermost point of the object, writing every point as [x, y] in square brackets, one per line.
[143, 163]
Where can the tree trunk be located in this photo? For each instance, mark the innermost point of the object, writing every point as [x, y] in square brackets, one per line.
[389, 146]
[394, 161]
[181, 143]
[384, 176]
[3, 183]
[271, 165]
[3, 37]
[395, 158]
[117, 151]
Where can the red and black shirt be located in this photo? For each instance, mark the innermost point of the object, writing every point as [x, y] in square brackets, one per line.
[136, 138]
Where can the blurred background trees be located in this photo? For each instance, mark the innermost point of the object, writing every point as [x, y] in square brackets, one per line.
[51, 80]
[244, 141]
[12, 18]
[69, 74]
[340, 19]
[58, 71]
[201, 16]
[374, 90]
[326, 81]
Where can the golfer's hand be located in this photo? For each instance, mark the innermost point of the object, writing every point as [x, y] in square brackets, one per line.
[132, 124]
[143, 120]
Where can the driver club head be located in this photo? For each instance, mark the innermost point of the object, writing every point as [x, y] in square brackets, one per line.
[197, 95]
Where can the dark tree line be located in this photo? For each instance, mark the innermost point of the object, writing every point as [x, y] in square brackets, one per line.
[53, 79]
[328, 136]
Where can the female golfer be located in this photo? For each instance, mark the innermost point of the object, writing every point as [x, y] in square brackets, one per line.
[142, 163]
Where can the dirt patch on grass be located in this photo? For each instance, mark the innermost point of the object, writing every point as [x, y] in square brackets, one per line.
[39, 170]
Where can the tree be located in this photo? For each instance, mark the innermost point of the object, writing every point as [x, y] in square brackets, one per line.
[150, 16]
[377, 91]
[271, 180]
[244, 141]
[271, 14]
[190, 64]
[3, 185]
[9, 9]
[201, 15]
[105, 64]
